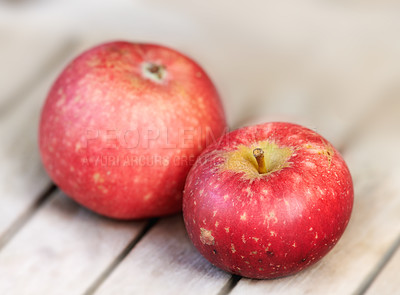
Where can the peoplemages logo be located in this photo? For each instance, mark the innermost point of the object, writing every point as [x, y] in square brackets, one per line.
[100, 145]
[143, 138]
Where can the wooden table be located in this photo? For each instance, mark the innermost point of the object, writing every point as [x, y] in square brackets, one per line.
[333, 67]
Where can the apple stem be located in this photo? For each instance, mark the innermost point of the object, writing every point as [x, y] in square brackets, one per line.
[154, 72]
[155, 69]
[259, 155]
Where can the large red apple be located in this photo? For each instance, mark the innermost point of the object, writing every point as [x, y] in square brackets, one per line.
[123, 124]
[267, 201]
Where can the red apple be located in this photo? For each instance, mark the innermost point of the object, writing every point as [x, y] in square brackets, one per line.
[267, 201]
[123, 124]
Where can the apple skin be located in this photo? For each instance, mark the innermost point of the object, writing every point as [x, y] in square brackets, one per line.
[123, 124]
[269, 225]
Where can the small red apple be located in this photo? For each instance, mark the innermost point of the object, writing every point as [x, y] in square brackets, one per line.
[267, 201]
[123, 124]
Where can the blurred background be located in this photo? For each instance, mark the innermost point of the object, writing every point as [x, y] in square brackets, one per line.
[286, 57]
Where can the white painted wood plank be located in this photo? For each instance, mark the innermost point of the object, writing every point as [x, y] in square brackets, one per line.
[375, 223]
[22, 178]
[387, 283]
[62, 250]
[24, 57]
[165, 262]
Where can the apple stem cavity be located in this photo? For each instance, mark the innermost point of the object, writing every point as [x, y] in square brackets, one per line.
[154, 72]
[259, 155]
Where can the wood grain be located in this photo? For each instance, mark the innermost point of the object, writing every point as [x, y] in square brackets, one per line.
[62, 250]
[22, 178]
[165, 262]
[387, 283]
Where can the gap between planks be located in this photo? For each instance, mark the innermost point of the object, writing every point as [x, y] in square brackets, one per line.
[97, 283]
[349, 137]
[364, 287]
[12, 106]
[27, 215]
[225, 290]
[379, 268]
